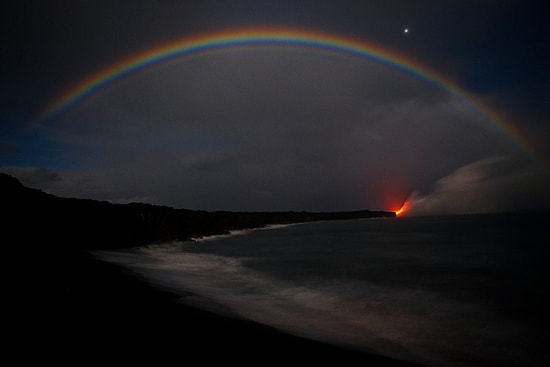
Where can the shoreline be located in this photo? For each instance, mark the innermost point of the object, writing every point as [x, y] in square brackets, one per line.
[118, 315]
[69, 306]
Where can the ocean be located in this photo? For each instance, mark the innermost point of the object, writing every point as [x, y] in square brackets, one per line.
[469, 290]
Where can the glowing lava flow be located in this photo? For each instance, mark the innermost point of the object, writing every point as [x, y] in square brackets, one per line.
[403, 209]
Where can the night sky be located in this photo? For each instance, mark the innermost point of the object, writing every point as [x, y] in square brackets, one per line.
[281, 127]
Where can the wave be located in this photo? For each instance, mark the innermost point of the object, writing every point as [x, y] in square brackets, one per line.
[228, 286]
[330, 312]
[241, 232]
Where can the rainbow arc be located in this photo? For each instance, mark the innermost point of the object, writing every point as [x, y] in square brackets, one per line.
[254, 37]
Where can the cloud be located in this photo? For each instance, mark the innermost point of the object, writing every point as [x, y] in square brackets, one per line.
[494, 184]
[268, 129]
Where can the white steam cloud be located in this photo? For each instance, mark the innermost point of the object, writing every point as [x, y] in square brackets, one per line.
[493, 184]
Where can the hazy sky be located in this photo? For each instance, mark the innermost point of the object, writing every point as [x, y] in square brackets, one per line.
[282, 128]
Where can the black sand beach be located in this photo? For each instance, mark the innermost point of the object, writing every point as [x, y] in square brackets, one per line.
[67, 307]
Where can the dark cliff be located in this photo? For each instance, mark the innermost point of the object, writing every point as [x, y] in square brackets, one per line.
[89, 224]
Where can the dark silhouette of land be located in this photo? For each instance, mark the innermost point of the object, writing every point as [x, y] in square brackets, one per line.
[65, 306]
[95, 224]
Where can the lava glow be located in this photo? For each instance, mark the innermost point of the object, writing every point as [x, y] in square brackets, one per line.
[403, 209]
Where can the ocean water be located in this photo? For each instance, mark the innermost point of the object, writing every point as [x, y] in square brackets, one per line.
[440, 291]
